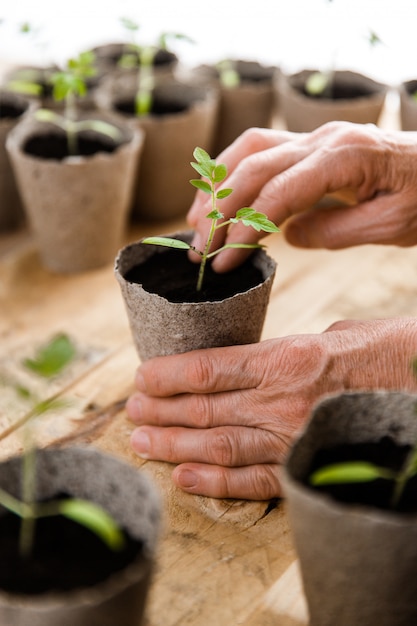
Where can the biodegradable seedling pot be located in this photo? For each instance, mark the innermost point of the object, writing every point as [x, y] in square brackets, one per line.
[77, 206]
[169, 323]
[182, 116]
[13, 108]
[108, 56]
[114, 597]
[250, 103]
[408, 105]
[357, 559]
[356, 98]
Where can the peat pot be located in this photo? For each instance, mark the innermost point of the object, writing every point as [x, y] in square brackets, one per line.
[356, 98]
[113, 587]
[77, 206]
[168, 316]
[357, 553]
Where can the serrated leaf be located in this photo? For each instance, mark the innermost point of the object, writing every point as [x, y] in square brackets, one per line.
[51, 359]
[204, 169]
[96, 519]
[349, 472]
[215, 215]
[168, 242]
[201, 184]
[259, 221]
[223, 193]
[220, 173]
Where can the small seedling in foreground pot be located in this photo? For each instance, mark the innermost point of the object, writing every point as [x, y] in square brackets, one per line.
[216, 173]
[143, 58]
[68, 85]
[352, 472]
[50, 361]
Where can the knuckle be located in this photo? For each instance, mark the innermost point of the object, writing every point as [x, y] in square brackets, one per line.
[201, 411]
[200, 372]
[266, 483]
[221, 448]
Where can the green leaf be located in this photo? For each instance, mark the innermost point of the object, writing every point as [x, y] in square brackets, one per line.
[316, 83]
[25, 87]
[350, 472]
[51, 359]
[259, 221]
[220, 173]
[223, 193]
[96, 519]
[201, 156]
[214, 215]
[201, 184]
[167, 242]
[129, 24]
[204, 169]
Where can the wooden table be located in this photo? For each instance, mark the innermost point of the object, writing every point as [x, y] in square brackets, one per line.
[220, 563]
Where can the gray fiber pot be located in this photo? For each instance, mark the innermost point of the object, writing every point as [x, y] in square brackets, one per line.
[131, 499]
[13, 108]
[77, 207]
[303, 113]
[358, 563]
[160, 327]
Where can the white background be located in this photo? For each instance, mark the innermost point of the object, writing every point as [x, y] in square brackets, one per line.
[292, 34]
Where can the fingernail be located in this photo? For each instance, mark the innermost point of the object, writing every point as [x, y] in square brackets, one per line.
[134, 408]
[187, 479]
[141, 443]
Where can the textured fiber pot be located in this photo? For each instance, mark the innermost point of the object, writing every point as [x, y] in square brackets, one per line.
[77, 207]
[183, 117]
[358, 562]
[249, 104]
[131, 499]
[108, 55]
[161, 327]
[12, 109]
[303, 113]
[408, 105]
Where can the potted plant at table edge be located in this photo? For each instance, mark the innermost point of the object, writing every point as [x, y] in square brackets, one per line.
[175, 115]
[407, 91]
[350, 482]
[106, 514]
[246, 100]
[310, 98]
[225, 309]
[92, 157]
[12, 109]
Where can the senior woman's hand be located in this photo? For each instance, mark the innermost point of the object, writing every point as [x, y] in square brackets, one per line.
[227, 416]
[285, 175]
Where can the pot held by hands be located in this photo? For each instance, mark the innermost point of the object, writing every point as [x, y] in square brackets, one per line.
[168, 316]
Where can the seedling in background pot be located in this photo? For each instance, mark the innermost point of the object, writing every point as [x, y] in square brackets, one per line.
[50, 361]
[216, 173]
[143, 58]
[352, 472]
[68, 85]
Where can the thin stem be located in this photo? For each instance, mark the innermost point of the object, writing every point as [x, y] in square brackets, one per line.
[209, 240]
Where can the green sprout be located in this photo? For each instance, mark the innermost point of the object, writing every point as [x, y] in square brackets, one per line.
[363, 471]
[49, 362]
[216, 173]
[67, 86]
[143, 58]
[228, 75]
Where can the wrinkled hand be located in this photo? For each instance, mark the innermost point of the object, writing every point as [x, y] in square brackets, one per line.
[227, 416]
[284, 175]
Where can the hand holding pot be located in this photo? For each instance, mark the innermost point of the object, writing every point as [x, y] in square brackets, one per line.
[228, 415]
[285, 175]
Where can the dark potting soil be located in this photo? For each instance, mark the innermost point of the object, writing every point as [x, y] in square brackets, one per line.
[340, 92]
[377, 493]
[171, 275]
[54, 146]
[10, 111]
[160, 106]
[66, 556]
